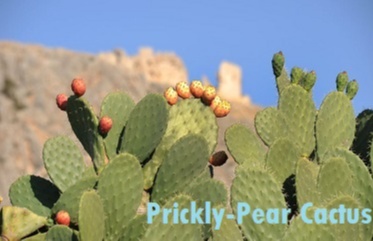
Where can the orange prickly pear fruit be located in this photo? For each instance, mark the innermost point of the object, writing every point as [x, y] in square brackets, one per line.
[197, 88]
[171, 96]
[183, 90]
[63, 218]
[61, 101]
[105, 125]
[215, 102]
[209, 94]
[223, 109]
[78, 87]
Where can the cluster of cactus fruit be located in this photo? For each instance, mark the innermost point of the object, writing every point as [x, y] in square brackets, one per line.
[162, 150]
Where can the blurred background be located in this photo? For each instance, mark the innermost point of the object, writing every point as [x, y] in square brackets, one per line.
[144, 46]
[325, 36]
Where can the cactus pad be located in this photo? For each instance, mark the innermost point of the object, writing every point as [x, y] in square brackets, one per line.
[85, 126]
[135, 229]
[120, 188]
[244, 146]
[117, 106]
[335, 125]
[306, 182]
[270, 125]
[184, 162]
[281, 159]
[19, 222]
[145, 127]
[91, 217]
[257, 187]
[34, 193]
[299, 112]
[60, 232]
[63, 161]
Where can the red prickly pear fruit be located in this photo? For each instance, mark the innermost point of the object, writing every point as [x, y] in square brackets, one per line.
[197, 88]
[171, 95]
[105, 125]
[61, 101]
[209, 94]
[215, 102]
[218, 158]
[223, 109]
[63, 218]
[78, 87]
[183, 90]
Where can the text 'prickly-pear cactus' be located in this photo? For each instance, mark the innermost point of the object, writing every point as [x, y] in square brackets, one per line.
[154, 151]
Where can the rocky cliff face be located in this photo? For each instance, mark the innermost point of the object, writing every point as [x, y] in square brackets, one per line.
[31, 77]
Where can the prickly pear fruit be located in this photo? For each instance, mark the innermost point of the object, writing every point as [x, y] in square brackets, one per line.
[105, 125]
[278, 62]
[222, 109]
[61, 101]
[78, 87]
[63, 218]
[171, 95]
[209, 94]
[197, 88]
[341, 81]
[215, 102]
[218, 158]
[296, 75]
[183, 90]
[309, 80]
[351, 89]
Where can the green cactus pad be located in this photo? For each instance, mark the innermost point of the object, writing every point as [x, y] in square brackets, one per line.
[85, 126]
[117, 106]
[341, 81]
[296, 75]
[184, 162]
[244, 145]
[278, 62]
[120, 188]
[309, 80]
[63, 161]
[335, 124]
[270, 125]
[335, 178]
[363, 136]
[301, 231]
[347, 231]
[306, 182]
[34, 193]
[352, 89]
[258, 188]
[363, 183]
[37, 237]
[146, 126]
[135, 229]
[19, 222]
[189, 116]
[60, 232]
[228, 231]
[158, 230]
[91, 217]
[299, 112]
[208, 190]
[282, 82]
[69, 200]
[282, 158]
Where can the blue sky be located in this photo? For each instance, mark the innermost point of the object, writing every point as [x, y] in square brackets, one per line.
[325, 36]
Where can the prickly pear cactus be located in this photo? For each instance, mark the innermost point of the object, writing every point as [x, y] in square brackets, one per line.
[155, 141]
[307, 160]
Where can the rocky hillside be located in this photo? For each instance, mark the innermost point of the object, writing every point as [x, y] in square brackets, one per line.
[31, 76]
